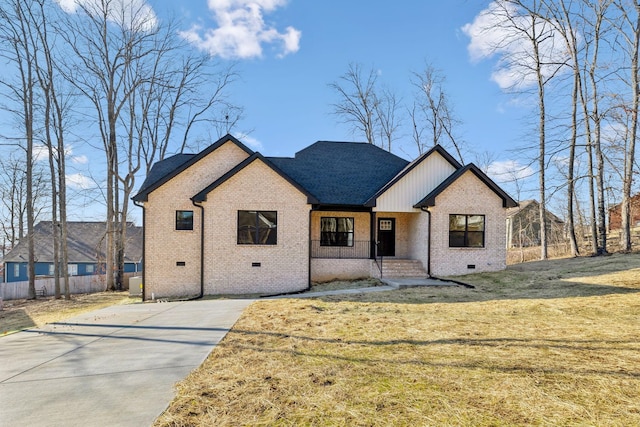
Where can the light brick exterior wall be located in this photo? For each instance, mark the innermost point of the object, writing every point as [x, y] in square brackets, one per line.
[164, 245]
[419, 238]
[468, 196]
[326, 269]
[284, 267]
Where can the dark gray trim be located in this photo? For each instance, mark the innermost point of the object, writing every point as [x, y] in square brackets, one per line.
[430, 199]
[201, 248]
[436, 149]
[202, 195]
[143, 194]
[341, 208]
[144, 258]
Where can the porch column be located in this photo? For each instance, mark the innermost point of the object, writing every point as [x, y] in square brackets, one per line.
[372, 235]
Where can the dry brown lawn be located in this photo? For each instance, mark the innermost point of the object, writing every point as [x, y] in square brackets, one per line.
[21, 314]
[542, 343]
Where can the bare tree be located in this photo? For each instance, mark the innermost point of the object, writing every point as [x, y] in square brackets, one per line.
[358, 100]
[16, 49]
[432, 112]
[108, 39]
[537, 65]
[39, 14]
[13, 207]
[629, 31]
[387, 116]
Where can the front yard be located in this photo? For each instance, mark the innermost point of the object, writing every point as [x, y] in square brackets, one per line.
[543, 343]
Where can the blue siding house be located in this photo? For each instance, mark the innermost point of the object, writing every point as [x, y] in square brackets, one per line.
[86, 247]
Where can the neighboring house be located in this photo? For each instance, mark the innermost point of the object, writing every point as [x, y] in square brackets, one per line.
[229, 221]
[86, 244]
[523, 226]
[615, 214]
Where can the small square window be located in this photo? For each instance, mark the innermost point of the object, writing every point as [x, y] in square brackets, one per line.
[90, 268]
[184, 220]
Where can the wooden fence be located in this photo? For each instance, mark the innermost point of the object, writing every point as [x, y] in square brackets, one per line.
[78, 285]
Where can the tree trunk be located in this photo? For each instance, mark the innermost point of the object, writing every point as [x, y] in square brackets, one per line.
[630, 152]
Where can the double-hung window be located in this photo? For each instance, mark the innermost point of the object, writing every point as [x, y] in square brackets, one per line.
[466, 231]
[336, 231]
[257, 227]
[184, 220]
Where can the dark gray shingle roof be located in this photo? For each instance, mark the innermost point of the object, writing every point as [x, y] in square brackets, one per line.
[159, 171]
[341, 173]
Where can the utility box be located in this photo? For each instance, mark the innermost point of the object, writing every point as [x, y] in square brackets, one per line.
[135, 286]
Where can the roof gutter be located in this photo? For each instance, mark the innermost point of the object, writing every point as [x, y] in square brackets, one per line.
[201, 248]
[144, 258]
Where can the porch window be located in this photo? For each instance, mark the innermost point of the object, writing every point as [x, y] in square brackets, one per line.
[466, 231]
[257, 227]
[184, 220]
[336, 231]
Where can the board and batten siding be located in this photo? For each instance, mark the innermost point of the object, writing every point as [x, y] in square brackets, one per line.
[415, 185]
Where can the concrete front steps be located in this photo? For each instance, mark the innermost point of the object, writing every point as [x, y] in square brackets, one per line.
[402, 268]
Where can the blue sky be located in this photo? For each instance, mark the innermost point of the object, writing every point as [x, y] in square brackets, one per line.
[289, 51]
[284, 88]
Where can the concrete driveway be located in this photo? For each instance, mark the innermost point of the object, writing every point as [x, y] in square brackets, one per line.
[111, 367]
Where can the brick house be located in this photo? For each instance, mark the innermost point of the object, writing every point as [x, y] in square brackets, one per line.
[615, 214]
[230, 221]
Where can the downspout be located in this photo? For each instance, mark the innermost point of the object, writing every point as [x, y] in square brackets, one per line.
[310, 249]
[466, 285]
[201, 248]
[422, 208]
[144, 259]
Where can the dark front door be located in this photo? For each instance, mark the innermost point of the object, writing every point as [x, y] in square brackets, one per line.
[386, 237]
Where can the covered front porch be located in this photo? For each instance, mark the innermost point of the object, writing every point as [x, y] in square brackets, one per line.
[355, 244]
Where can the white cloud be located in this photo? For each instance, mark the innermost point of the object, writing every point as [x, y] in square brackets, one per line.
[79, 181]
[131, 14]
[242, 30]
[40, 152]
[253, 143]
[509, 171]
[499, 30]
[80, 160]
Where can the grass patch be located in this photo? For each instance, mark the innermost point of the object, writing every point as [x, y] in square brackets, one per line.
[21, 314]
[345, 284]
[542, 343]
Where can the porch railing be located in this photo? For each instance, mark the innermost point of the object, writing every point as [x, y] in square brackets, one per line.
[361, 249]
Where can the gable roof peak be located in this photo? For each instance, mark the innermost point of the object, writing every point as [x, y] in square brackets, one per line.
[166, 169]
[430, 199]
